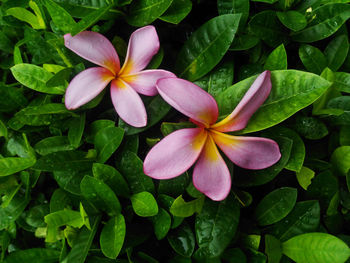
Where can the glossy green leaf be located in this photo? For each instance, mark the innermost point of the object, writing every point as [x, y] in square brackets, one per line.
[327, 19]
[46, 255]
[59, 200]
[131, 168]
[100, 195]
[277, 60]
[342, 81]
[313, 59]
[275, 205]
[82, 243]
[11, 165]
[340, 103]
[35, 78]
[292, 20]
[182, 240]
[304, 218]
[112, 236]
[175, 186]
[206, 46]
[62, 19]
[70, 181]
[161, 223]
[53, 144]
[177, 11]
[63, 161]
[10, 213]
[3, 130]
[144, 12]
[144, 204]
[336, 52]
[64, 217]
[341, 160]
[110, 176]
[182, 208]
[107, 142]
[266, 26]
[215, 227]
[273, 249]
[234, 7]
[291, 91]
[76, 129]
[25, 16]
[311, 128]
[244, 42]
[315, 248]
[95, 127]
[304, 177]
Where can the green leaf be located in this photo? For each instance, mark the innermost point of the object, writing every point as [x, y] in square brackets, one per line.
[182, 208]
[341, 160]
[63, 161]
[266, 26]
[144, 12]
[3, 130]
[161, 223]
[107, 142]
[76, 129]
[82, 244]
[304, 218]
[291, 91]
[275, 205]
[266, 1]
[182, 240]
[62, 19]
[234, 7]
[206, 47]
[10, 213]
[112, 236]
[39, 255]
[336, 52]
[59, 200]
[304, 177]
[177, 11]
[175, 186]
[144, 204]
[311, 128]
[100, 195]
[312, 58]
[244, 42]
[89, 20]
[70, 181]
[110, 176]
[95, 127]
[342, 81]
[25, 16]
[11, 165]
[327, 19]
[277, 60]
[35, 78]
[273, 249]
[316, 248]
[5, 43]
[131, 168]
[60, 78]
[215, 227]
[292, 19]
[52, 144]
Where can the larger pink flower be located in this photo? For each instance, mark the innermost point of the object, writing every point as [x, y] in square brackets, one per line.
[178, 151]
[126, 82]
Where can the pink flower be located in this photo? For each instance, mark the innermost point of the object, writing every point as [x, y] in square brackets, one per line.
[178, 151]
[126, 82]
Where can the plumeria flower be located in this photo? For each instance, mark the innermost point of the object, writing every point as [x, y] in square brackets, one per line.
[126, 82]
[178, 151]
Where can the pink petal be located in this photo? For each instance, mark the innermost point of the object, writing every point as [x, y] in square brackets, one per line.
[143, 45]
[252, 100]
[128, 104]
[174, 154]
[189, 99]
[211, 175]
[94, 47]
[248, 152]
[144, 82]
[86, 85]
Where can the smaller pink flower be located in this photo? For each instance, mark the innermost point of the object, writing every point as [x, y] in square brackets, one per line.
[178, 151]
[126, 82]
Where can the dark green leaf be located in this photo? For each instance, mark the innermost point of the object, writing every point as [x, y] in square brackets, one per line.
[76, 129]
[273, 249]
[60, 16]
[312, 58]
[311, 128]
[292, 20]
[336, 52]
[107, 141]
[39, 255]
[177, 11]
[182, 240]
[244, 42]
[161, 223]
[234, 7]
[341, 160]
[11, 213]
[342, 81]
[52, 144]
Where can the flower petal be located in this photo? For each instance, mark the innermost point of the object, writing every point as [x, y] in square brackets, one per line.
[143, 45]
[86, 85]
[174, 154]
[251, 101]
[128, 104]
[144, 82]
[189, 99]
[248, 152]
[94, 47]
[211, 175]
